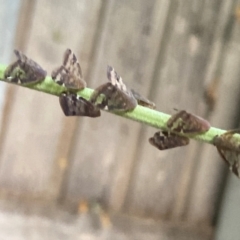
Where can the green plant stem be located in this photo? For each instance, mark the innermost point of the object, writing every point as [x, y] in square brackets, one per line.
[141, 114]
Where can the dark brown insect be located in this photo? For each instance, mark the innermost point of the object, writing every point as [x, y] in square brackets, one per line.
[188, 123]
[114, 95]
[24, 70]
[74, 105]
[229, 149]
[142, 100]
[69, 74]
[165, 140]
[227, 141]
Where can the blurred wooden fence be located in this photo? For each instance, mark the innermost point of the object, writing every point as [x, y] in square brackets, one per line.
[171, 51]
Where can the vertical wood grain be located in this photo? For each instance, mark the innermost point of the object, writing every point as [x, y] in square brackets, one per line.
[203, 203]
[29, 161]
[161, 180]
[105, 148]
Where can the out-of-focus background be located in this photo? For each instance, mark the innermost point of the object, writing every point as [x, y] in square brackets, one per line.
[82, 178]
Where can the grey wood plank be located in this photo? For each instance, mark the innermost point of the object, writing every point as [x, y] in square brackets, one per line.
[202, 207]
[29, 159]
[228, 227]
[161, 180]
[227, 218]
[105, 148]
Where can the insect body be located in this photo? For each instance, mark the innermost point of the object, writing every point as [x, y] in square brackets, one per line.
[229, 149]
[69, 75]
[188, 123]
[165, 140]
[24, 71]
[74, 105]
[114, 95]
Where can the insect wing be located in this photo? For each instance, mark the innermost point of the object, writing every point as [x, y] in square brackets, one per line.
[142, 100]
[227, 141]
[115, 79]
[232, 158]
[165, 140]
[24, 70]
[189, 123]
[69, 74]
[229, 149]
[73, 105]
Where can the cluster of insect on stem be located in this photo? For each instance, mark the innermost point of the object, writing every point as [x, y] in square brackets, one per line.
[114, 96]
